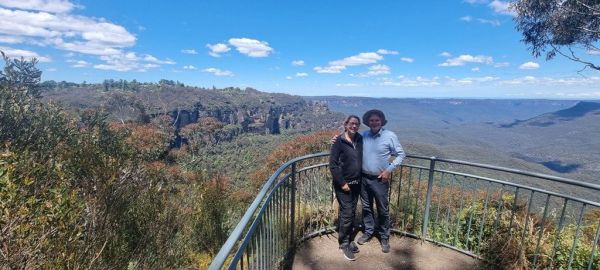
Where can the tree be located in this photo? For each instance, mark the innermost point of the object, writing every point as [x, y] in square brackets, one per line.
[559, 27]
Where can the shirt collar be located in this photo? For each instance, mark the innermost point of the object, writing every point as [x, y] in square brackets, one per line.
[377, 134]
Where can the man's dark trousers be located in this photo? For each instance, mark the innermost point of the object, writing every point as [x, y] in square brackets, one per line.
[347, 213]
[375, 189]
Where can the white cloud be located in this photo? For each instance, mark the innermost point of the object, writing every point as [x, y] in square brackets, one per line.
[445, 54]
[301, 74]
[359, 59]
[54, 6]
[467, 58]
[289, 77]
[407, 59]
[218, 72]
[502, 7]
[11, 39]
[491, 22]
[49, 24]
[592, 51]
[152, 59]
[466, 18]
[475, 69]
[251, 47]
[376, 70]
[329, 69]
[501, 64]
[190, 67]
[529, 65]
[78, 63]
[28, 55]
[347, 85]
[298, 63]
[476, 1]
[189, 51]
[217, 49]
[384, 52]
[418, 81]
[338, 66]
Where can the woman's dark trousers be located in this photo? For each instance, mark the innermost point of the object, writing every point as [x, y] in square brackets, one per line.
[347, 213]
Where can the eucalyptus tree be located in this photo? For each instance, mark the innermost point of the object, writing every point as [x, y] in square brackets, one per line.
[570, 28]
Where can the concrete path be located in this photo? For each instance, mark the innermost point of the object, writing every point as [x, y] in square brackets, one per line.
[406, 253]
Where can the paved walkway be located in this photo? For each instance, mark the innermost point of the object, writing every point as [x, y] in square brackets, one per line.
[406, 253]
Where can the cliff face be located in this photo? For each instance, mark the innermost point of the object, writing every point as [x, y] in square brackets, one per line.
[236, 111]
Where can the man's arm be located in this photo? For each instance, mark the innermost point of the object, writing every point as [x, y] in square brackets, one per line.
[397, 151]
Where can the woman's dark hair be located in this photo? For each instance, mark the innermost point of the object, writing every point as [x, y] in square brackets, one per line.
[370, 113]
[348, 120]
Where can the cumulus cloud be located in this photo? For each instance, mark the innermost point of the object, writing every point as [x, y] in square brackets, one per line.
[418, 81]
[218, 72]
[501, 64]
[475, 69]
[190, 67]
[251, 47]
[49, 23]
[376, 70]
[529, 65]
[490, 22]
[445, 54]
[407, 59]
[347, 85]
[18, 53]
[467, 58]
[217, 49]
[502, 7]
[189, 51]
[152, 59]
[298, 63]
[129, 61]
[466, 18]
[78, 63]
[384, 52]
[301, 74]
[338, 66]
[329, 69]
[54, 6]
[289, 77]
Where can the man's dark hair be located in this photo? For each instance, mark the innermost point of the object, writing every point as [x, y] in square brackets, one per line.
[379, 113]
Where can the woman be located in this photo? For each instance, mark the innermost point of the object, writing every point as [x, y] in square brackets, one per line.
[345, 163]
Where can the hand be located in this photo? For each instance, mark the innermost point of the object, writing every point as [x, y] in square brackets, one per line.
[385, 176]
[332, 141]
[346, 187]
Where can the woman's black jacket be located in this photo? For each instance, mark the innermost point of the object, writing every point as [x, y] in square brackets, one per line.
[345, 160]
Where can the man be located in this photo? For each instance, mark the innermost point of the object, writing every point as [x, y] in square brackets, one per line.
[379, 145]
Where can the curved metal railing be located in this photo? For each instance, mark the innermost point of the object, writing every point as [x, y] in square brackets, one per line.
[540, 220]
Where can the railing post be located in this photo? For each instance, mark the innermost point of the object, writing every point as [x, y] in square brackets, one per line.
[293, 207]
[428, 197]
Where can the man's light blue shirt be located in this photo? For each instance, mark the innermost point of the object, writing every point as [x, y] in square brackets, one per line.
[377, 149]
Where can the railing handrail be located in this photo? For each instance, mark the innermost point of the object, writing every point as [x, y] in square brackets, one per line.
[223, 253]
[267, 189]
[516, 171]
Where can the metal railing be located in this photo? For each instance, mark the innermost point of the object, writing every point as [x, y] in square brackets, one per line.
[476, 209]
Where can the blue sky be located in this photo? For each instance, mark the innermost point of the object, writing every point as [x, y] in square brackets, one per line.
[434, 49]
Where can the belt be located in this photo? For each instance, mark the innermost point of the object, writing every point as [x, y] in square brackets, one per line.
[370, 176]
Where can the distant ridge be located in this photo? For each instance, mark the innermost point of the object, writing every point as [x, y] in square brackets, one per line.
[578, 110]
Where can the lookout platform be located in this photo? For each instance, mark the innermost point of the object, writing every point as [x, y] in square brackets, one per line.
[405, 253]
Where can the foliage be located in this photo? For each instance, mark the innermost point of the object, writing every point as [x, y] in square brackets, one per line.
[549, 25]
[302, 145]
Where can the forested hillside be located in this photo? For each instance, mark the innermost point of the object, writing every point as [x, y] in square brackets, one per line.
[152, 176]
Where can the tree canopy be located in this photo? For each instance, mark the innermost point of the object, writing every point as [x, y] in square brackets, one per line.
[561, 27]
